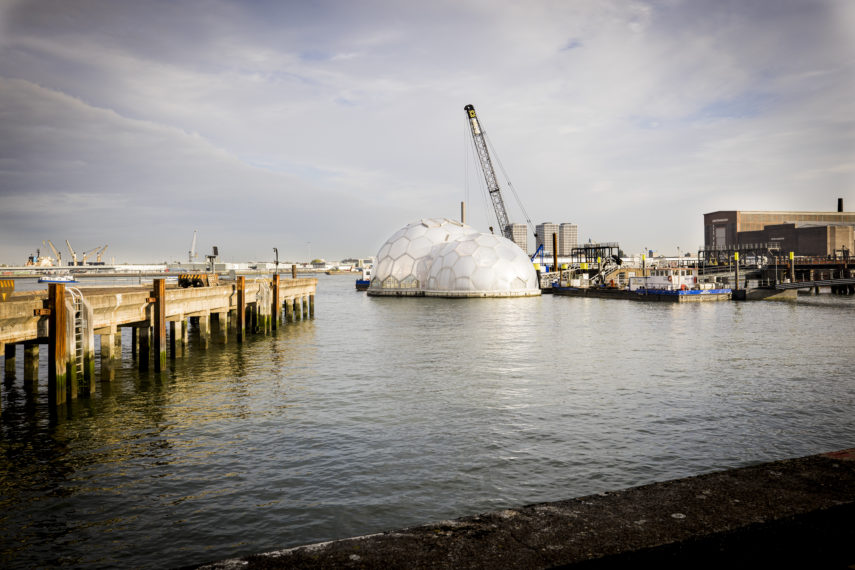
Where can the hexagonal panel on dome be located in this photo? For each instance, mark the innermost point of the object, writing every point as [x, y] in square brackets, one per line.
[486, 257]
[399, 247]
[403, 267]
[465, 265]
[420, 246]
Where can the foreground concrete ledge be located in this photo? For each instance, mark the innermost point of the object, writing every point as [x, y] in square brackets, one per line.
[796, 512]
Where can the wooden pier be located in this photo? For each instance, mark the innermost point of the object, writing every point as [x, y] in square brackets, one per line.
[66, 319]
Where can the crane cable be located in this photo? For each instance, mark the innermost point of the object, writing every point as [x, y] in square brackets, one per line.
[498, 161]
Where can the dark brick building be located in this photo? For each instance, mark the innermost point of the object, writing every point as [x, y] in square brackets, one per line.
[805, 233]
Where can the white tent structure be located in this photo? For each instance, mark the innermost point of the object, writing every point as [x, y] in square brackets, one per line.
[444, 258]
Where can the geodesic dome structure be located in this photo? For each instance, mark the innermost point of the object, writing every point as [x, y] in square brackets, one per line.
[442, 257]
[400, 263]
[481, 265]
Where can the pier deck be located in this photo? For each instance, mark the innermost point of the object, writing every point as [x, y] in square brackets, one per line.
[68, 318]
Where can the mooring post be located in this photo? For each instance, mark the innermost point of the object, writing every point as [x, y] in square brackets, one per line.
[293, 271]
[57, 345]
[9, 362]
[144, 340]
[274, 308]
[159, 309]
[311, 306]
[736, 270]
[792, 267]
[240, 321]
[31, 362]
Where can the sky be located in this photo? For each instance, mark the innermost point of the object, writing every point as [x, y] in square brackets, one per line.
[322, 127]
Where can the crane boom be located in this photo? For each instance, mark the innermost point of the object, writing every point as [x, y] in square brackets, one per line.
[489, 173]
[73, 254]
[55, 252]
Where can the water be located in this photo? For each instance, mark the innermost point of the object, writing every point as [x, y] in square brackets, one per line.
[383, 413]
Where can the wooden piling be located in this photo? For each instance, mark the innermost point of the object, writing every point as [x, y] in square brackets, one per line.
[275, 313]
[57, 345]
[9, 360]
[305, 307]
[293, 271]
[240, 322]
[159, 310]
[31, 362]
[311, 306]
[289, 310]
[144, 339]
[298, 309]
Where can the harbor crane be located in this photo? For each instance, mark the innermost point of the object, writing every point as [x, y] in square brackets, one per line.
[87, 254]
[55, 252]
[98, 255]
[73, 254]
[478, 137]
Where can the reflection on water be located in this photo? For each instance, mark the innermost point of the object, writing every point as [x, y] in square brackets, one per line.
[383, 413]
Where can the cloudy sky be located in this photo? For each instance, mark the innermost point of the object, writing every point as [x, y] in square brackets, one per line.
[322, 127]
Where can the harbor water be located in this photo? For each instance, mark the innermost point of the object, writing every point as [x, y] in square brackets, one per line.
[382, 413]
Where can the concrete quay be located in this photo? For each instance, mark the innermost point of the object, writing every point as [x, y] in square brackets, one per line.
[67, 319]
[795, 513]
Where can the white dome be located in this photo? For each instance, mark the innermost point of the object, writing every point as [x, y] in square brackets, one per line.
[444, 258]
[481, 265]
[401, 260]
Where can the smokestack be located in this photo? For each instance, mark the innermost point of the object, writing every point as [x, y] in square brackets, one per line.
[840, 204]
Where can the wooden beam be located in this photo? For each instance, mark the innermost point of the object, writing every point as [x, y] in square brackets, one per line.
[57, 345]
[159, 310]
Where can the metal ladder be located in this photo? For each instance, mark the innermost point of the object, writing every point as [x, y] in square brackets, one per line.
[78, 324]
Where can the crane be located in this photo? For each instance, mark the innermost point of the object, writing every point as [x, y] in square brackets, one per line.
[192, 254]
[55, 252]
[98, 255]
[489, 173]
[87, 254]
[73, 255]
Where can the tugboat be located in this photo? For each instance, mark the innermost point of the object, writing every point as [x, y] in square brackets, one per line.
[363, 282]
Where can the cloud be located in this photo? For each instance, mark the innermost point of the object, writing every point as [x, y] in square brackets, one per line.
[341, 122]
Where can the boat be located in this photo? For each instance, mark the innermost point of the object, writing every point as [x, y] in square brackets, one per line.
[363, 282]
[57, 278]
[676, 285]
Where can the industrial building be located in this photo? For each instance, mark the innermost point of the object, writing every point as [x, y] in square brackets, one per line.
[544, 236]
[804, 233]
[519, 233]
[568, 238]
[567, 233]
